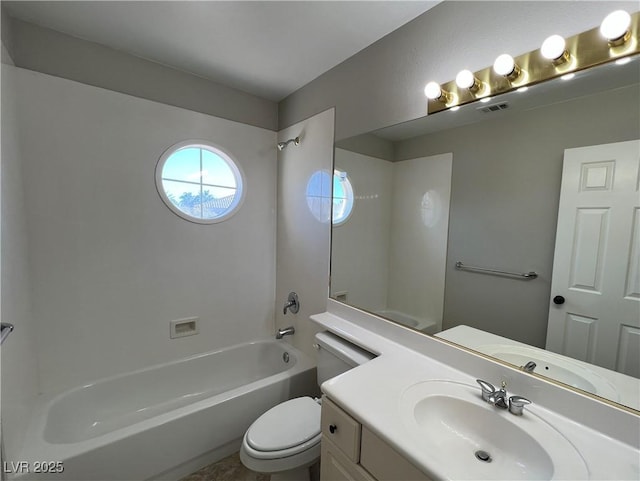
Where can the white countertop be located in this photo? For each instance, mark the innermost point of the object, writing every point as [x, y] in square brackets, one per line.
[371, 393]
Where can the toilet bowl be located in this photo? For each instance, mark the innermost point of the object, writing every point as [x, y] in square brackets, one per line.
[285, 441]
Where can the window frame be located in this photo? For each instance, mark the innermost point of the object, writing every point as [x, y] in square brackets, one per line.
[220, 152]
[350, 197]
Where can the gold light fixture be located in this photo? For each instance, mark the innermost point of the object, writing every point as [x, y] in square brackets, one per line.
[466, 80]
[554, 48]
[433, 91]
[615, 28]
[557, 57]
[506, 66]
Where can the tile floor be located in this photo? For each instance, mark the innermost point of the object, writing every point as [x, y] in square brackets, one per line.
[227, 469]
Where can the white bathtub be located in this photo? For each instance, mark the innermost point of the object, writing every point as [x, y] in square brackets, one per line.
[165, 421]
[423, 325]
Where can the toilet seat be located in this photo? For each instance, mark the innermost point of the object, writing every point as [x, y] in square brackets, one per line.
[284, 430]
[283, 453]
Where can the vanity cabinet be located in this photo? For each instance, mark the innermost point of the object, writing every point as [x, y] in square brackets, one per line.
[352, 452]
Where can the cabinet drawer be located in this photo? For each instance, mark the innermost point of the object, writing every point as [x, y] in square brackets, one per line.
[335, 466]
[384, 463]
[341, 429]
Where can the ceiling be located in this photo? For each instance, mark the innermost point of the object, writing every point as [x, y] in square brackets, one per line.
[267, 48]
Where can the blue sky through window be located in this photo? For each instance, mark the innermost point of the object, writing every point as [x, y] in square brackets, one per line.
[199, 182]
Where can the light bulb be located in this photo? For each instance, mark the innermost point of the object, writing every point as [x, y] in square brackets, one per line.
[623, 61]
[484, 100]
[432, 90]
[465, 79]
[504, 65]
[615, 26]
[568, 76]
[522, 89]
[453, 109]
[553, 48]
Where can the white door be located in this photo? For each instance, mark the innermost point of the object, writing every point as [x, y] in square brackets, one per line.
[594, 314]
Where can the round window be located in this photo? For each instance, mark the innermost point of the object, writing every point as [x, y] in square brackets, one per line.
[199, 182]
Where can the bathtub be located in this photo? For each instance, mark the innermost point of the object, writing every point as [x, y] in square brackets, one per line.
[161, 422]
[423, 325]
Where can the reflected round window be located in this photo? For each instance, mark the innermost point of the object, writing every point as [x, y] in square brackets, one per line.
[322, 204]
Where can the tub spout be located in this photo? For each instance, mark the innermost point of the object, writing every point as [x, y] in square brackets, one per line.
[287, 331]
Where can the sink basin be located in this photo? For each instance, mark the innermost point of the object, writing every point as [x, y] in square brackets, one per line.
[554, 366]
[466, 438]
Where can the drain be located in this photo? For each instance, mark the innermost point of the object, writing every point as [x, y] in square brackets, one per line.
[483, 456]
[285, 357]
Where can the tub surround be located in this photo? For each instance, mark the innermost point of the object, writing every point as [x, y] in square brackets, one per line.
[605, 436]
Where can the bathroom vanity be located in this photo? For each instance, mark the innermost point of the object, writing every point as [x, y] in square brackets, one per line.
[352, 452]
[415, 412]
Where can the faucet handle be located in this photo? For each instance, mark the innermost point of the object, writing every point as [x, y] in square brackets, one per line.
[517, 404]
[487, 389]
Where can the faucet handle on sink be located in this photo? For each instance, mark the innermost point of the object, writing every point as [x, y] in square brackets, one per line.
[487, 389]
[517, 404]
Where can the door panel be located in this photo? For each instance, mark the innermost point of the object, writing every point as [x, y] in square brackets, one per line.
[596, 261]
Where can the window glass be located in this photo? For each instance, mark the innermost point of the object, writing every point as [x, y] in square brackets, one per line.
[199, 182]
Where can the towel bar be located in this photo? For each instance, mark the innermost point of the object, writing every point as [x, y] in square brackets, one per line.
[518, 275]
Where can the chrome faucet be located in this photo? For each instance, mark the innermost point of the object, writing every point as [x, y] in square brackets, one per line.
[292, 304]
[529, 367]
[287, 331]
[499, 398]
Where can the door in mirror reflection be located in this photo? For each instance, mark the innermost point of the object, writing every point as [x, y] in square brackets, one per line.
[596, 268]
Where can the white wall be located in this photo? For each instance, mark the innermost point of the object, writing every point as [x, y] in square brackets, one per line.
[304, 242]
[110, 264]
[363, 240]
[19, 354]
[420, 227]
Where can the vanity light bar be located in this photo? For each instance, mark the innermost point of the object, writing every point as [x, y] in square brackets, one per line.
[615, 39]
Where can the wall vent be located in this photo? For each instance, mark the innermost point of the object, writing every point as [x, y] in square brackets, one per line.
[494, 107]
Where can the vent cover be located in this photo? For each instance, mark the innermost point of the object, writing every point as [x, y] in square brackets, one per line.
[494, 107]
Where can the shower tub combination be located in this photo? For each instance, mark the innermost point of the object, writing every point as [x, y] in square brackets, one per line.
[165, 421]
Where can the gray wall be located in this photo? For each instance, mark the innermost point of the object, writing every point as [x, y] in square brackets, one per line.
[504, 204]
[383, 84]
[44, 50]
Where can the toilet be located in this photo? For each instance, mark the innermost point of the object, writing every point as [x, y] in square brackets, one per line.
[285, 441]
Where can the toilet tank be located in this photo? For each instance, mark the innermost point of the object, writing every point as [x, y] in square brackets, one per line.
[337, 355]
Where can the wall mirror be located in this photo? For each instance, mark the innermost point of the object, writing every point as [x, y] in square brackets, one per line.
[482, 186]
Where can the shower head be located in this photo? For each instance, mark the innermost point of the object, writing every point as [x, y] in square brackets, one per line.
[282, 145]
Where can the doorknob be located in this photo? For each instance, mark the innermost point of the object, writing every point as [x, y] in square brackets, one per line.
[558, 300]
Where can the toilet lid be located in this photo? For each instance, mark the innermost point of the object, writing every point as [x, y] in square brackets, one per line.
[286, 425]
